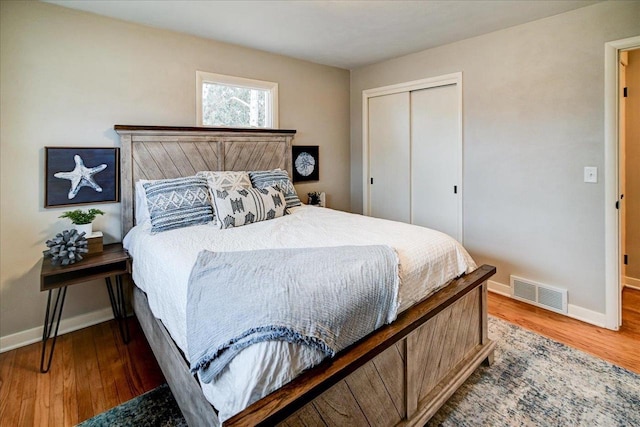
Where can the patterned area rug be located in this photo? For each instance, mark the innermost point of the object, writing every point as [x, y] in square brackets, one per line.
[155, 408]
[533, 381]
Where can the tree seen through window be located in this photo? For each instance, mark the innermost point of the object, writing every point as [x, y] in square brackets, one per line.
[235, 106]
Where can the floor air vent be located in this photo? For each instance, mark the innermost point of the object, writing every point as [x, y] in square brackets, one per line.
[544, 296]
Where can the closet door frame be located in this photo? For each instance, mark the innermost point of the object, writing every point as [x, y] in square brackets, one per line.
[444, 80]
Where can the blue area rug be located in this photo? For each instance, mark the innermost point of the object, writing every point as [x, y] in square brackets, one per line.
[155, 408]
[534, 381]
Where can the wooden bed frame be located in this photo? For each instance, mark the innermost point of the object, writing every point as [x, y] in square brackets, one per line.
[400, 374]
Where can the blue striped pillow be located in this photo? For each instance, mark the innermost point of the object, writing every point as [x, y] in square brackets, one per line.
[177, 203]
[278, 178]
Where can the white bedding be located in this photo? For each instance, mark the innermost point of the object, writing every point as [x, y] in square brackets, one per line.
[162, 264]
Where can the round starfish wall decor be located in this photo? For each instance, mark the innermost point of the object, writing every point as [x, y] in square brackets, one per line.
[305, 164]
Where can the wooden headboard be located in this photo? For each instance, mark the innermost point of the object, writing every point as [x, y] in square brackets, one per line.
[159, 152]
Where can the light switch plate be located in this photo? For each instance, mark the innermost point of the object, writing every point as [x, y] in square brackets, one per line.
[590, 174]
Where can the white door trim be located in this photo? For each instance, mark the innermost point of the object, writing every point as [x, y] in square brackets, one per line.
[447, 79]
[613, 303]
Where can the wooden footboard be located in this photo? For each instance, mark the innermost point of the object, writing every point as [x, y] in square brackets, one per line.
[398, 375]
[407, 383]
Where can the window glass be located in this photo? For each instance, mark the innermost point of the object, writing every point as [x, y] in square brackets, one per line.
[229, 101]
[224, 105]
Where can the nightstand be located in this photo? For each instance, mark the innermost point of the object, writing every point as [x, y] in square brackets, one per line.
[113, 261]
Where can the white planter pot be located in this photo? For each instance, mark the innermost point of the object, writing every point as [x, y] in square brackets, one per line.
[87, 228]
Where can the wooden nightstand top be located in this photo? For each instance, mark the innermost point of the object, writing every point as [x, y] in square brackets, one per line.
[113, 260]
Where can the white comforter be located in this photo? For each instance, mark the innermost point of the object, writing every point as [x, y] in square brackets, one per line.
[162, 264]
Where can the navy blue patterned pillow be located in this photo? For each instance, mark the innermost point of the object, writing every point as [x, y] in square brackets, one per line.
[279, 178]
[241, 207]
[179, 202]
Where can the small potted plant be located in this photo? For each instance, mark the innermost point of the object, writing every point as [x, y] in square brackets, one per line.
[83, 219]
[315, 198]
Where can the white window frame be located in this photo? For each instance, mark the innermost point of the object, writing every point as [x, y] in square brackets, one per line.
[271, 113]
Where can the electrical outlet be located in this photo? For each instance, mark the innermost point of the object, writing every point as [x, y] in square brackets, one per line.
[590, 174]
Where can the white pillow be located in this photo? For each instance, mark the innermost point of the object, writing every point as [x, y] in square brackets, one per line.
[141, 208]
[225, 181]
[248, 205]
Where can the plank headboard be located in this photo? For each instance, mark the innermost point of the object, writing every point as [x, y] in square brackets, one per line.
[159, 152]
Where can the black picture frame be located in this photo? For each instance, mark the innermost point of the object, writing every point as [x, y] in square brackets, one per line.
[306, 163]
[88, 186]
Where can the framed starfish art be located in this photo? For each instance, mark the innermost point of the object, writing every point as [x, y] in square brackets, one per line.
[79, 176]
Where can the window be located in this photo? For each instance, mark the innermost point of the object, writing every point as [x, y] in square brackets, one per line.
[229, 101]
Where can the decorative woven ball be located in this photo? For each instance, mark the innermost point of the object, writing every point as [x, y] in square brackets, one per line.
[67, 247]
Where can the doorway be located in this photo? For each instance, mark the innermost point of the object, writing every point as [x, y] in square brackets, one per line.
[629, 170]
[619, 191]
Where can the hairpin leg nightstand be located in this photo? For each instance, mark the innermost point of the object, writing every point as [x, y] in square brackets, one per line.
[113, 261]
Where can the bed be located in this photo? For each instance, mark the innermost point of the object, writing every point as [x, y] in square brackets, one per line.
[399, 374]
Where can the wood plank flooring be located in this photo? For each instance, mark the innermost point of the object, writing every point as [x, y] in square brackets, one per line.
[93, 370]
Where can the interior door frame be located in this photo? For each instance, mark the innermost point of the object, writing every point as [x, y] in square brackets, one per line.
[444, 80]
[613, 296]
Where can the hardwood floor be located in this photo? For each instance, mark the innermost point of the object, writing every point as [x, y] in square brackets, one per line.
[621, 348]
[93, 370]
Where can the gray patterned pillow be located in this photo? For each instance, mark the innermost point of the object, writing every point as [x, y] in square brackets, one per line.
[277, 177]
[249, 205]
[179, 202]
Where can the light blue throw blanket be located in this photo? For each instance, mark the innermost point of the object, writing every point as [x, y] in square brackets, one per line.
[326, 298]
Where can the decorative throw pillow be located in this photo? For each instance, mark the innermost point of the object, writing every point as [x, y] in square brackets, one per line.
[225, 180]
[179, 202]
[279, 178]
[242, 207]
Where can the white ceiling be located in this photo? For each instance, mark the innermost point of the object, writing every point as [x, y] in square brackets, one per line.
[346, 34]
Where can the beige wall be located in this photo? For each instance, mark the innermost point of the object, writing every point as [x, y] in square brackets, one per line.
[67, 77]
[533, 105]
[632, 191]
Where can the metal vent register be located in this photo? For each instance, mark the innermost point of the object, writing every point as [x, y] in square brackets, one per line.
[544, 296]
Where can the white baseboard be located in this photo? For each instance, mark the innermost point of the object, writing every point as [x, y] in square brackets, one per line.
[631, 282]
[499, 288]
[574, 311]
[588, 316]
[20, 339]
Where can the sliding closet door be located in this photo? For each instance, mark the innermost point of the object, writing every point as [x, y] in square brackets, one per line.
[435, 159]
[389, 163]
